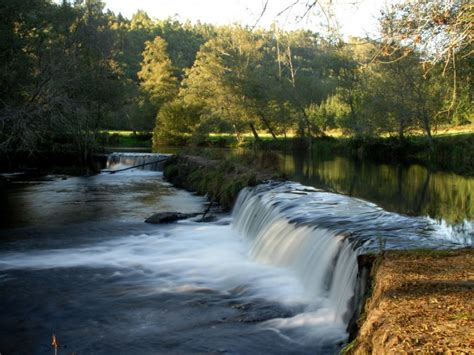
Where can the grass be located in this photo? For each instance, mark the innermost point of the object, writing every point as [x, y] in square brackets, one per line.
[221, 180]
[118, 132]
[126, 139]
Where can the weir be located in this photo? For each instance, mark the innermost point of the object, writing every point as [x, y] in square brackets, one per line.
[284, 274]
[316, 234]
[117, 161]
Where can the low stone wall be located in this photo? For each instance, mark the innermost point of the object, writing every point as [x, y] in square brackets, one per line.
[220, 180]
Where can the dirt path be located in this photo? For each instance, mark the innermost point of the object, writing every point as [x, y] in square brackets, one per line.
[423, 302]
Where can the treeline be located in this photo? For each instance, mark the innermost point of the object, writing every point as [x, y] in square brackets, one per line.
[299, 83]
[69, 71]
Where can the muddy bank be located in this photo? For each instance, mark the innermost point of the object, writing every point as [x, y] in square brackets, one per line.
[421, 302]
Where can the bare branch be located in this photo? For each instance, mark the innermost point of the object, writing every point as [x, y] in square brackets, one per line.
[261, 14]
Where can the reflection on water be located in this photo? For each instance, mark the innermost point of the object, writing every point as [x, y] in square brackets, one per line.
[132, 195]
[412, 190]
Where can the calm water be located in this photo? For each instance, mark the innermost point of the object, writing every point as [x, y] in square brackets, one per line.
[412, 190]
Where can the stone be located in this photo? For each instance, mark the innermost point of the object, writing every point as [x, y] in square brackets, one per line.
[168, 217]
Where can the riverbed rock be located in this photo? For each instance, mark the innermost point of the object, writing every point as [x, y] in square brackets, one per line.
[168, 217]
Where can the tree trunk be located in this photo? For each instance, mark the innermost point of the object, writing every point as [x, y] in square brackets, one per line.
[401, 131]
[267, 124]
[427, 128]
[254, 132]
[238, 136]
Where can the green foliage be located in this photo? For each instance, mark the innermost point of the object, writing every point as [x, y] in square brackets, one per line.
[156, 74]
[134, 139]
[176, 122]
[68, 71]
[220, 180]
[331, 113]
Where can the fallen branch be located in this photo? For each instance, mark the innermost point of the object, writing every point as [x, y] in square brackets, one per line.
[135, 166]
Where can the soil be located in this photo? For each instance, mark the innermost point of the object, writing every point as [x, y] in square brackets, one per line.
[422, 302]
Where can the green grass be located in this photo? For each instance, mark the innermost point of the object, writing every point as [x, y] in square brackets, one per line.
[125, 139]
[118, 132]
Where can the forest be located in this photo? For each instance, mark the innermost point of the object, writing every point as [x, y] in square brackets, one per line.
[71, 71]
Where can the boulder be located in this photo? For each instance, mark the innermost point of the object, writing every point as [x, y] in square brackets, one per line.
[169, 217]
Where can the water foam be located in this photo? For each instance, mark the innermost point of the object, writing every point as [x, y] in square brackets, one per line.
[153, 161]
[323, 259]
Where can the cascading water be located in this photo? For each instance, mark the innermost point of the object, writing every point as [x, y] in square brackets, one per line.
[276, 277]
[323, 259]
[318, 235]
[145, 161]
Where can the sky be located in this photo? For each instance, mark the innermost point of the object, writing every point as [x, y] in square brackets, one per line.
[357, 20]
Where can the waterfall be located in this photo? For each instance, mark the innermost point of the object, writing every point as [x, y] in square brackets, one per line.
[318, 236]
[117, 161]
[322, 258]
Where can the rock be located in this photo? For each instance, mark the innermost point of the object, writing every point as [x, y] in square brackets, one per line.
[168, 217]
[207, 218]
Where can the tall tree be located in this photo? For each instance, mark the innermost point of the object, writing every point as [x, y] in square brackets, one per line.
[156, 74]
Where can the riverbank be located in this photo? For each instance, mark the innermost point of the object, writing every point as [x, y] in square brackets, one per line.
[421, 302]
[450, 153]
[451, 150]
[221, 180]
[51, 163]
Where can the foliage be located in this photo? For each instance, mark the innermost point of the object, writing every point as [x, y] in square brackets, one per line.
[175, 123]
[70, 70]
[156, 74]
[220, 180]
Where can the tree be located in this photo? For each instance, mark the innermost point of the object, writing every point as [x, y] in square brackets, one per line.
[69, 77]
[176, 122]
[436, 28]
[156, 74]
[224, 78]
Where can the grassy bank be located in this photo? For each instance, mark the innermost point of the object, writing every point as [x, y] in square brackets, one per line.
[421, 303]
[452, 150]
[453, 153]
[125, 139]
[449, 152]
[221, 180]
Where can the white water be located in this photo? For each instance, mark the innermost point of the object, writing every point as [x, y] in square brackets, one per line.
[323, 260]
[177, 258]
[285, 244]
[116, 161]
[461, 234]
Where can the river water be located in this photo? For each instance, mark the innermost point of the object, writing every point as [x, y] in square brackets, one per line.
[276, 276]
[407, 189]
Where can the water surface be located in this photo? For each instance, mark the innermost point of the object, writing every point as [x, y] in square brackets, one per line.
[77, 260]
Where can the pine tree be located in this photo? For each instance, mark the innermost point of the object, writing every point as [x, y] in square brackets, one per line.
[156, 74]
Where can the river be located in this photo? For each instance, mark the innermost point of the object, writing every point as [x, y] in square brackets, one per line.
[275, 276]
